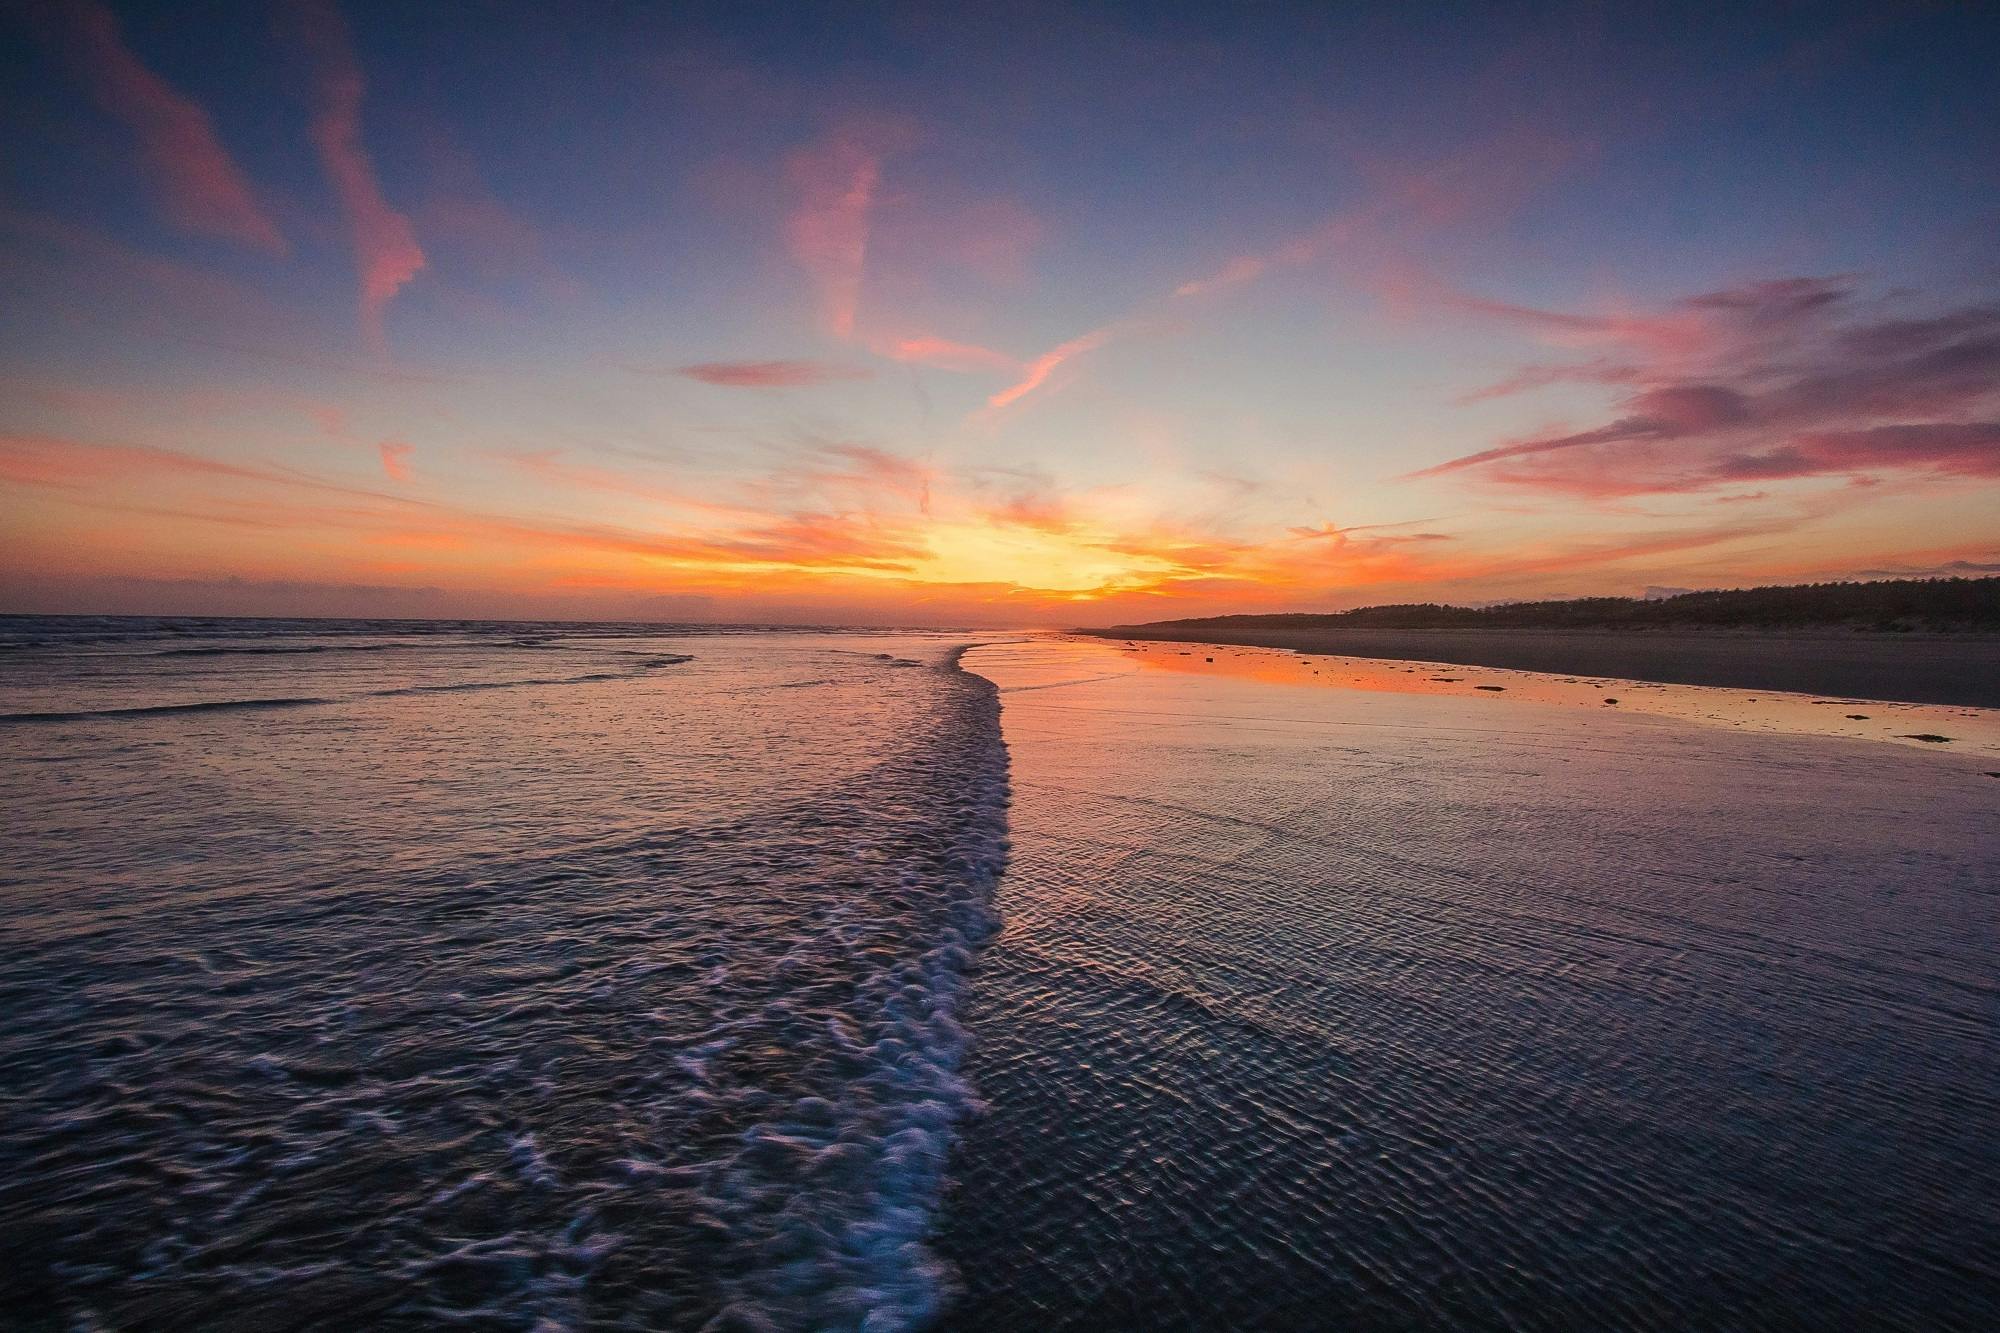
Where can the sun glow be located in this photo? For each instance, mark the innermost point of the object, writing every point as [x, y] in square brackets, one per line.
[1074, 561]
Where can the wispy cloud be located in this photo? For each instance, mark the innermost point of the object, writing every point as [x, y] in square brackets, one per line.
[396, 459]
[200, 187]
[1770, 381]
[771, 374]
[386, 251]
[944, 354]
[834, 184]
[1036, 372]
[1480, 183]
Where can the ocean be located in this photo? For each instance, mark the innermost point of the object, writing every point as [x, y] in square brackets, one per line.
[419, 974]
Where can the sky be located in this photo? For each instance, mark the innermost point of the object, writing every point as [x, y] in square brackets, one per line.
[1008, 315]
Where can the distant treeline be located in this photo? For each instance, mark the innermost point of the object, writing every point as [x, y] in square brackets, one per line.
[1900, 604]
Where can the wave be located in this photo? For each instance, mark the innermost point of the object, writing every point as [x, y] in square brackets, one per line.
[291, 650]
[652, 663]
[829, 1204]
[699, 1063]
[163, 710]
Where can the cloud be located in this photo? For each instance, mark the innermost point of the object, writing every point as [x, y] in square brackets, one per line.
[1960, 569]
[834, 184]
[1971, 449]
[868, 473]
[1655, 414]
[771, 374]
[1769, 381]
[944, 354]
[1347, 538]
[386, 251]
[1242, 269]
[1036, 372]
[395, 459]
[1480, 184]
[35, 460]
[200, 187]
[1528, 378]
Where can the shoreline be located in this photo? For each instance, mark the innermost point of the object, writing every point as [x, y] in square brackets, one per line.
[1954, 669]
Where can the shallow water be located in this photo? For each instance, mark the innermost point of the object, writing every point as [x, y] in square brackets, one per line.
[1942, 728]
[524, 978]
[1352, 1008]
[538, 977]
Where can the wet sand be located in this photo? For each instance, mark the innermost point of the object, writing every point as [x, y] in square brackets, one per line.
[1938, 729]
[1400, 1003]
[1962, 669]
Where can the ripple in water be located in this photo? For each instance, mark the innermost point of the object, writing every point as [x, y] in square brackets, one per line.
[1344, 1009]
[513, 983]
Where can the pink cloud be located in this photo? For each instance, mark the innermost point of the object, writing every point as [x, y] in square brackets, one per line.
[827, 233]
[1037, 372]
[201, 188]
[770, 374]
[919, 233]
[395, 459]
[385, 245]
[1771, 380]
[1528, 378]
[863, 474]
[1970, 449]
[944, 354]
[1714, 328]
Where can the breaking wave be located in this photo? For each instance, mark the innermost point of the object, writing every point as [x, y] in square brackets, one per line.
[658, 1026]
[651, 662]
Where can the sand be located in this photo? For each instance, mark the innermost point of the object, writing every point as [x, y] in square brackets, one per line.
[1962, 669]
[1411, 1005]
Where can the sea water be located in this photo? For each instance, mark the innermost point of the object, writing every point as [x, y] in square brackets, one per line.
[550, 976]
[365, 975]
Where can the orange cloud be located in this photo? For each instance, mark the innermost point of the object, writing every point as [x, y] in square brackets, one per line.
[1037, 372]
[201, 189]
[832, 527]
[385, 245]
[37, 460]
[395, 460]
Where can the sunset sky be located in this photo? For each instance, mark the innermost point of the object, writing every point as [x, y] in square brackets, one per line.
[1018, 315]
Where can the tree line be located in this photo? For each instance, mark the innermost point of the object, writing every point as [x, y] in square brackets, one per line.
[1893, 605]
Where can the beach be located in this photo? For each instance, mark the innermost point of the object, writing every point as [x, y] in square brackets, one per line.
[1914, 668]
[1384, 1007]
[633, 976]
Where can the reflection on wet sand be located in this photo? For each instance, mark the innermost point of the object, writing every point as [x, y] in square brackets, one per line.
[1932, 727]
[1428, 1005]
